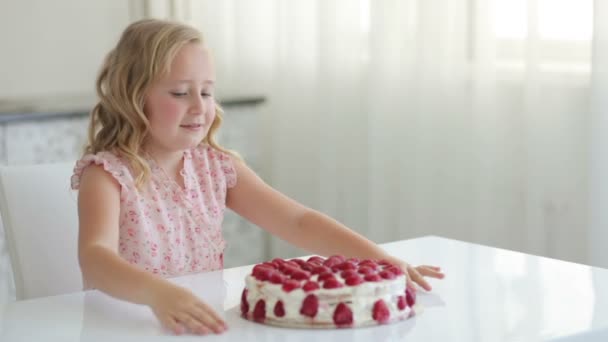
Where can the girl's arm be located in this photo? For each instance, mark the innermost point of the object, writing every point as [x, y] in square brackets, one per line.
[102, 268]
[304, 227]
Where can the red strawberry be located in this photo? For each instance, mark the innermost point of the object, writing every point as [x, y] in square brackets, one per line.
[244, 303]
[290, 285]
[292, 263]
[277, 278]
[308, 267]
[300, 275]
[387, 275]
[288, 269]
[343, 316]
[341, 258]
[257, 268]
[310, 305]
[263, 274]
[353, 260]
[401, 303]
[289, 266]
[331, 283]
[310, 286]
[315, 259]
[331, 262]
[395, 270]
[326, 275]
[300, 262]
[346, 266]
[381, 313]
[353, 281]
[260, 268]
[348, 274]
[279, 310]
[372, 277]
[321, 269]
[365, 270]
[410, 296]
[277, 261]
[259, 312]
[384, 263]
[269, 264]
[369, 263]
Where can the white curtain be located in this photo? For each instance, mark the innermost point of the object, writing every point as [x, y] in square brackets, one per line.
[402, 118]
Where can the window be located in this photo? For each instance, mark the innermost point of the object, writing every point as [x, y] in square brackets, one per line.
[555, 33]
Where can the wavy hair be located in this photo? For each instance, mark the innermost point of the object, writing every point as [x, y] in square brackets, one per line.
[143, 54]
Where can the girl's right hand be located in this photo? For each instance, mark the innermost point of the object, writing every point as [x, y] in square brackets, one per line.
[180, 311]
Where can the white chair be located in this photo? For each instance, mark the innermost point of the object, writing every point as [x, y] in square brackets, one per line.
[39, 214]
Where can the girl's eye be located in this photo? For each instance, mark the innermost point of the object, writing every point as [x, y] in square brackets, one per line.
[179, 94]
[206, 94]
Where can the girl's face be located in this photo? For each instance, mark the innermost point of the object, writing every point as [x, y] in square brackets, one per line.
[180, 107]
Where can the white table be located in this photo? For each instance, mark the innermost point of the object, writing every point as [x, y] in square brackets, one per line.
[489, 294]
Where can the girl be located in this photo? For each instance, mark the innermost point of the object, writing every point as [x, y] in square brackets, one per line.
[154, 184]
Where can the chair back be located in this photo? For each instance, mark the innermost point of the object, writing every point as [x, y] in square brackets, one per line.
[40, 218]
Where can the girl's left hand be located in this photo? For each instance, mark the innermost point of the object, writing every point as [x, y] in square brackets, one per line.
[418, 273]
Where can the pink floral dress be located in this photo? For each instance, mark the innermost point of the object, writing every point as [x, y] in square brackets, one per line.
[164, 228]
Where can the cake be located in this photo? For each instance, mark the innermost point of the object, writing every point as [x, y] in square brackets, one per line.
[326, 293]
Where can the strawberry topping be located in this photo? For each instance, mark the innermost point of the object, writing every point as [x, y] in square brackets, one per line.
[354, 280]
[343, 316]
[347, 265]
[326, 275]
[279, 310]
[277, 278]
[387, 275]
[290, 285]
[365, 270]
[310, 286]
[401, 303]
[410, 296]
[380, 312]
[310, 305]
[259, 312]
[331, 283]
[372, 277]
[321, 269]
[315, 259]
[300, 275]
[395, 270]
[348, 274]
[244, 303]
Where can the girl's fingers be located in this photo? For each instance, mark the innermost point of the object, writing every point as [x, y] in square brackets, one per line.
[199, 317]
[419, 279]
[203, 328]
[190, 322]
[211, 312]
[171, 324]
[436, 268]
[429, 272]
[208, 318]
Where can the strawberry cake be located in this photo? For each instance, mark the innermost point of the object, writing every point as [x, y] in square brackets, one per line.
[326, 293]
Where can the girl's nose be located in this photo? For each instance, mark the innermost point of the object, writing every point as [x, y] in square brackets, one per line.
[198, 105]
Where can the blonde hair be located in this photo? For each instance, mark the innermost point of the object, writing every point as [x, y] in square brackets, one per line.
[143, 54]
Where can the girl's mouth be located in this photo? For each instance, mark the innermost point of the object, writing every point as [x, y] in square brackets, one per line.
[193, 127]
